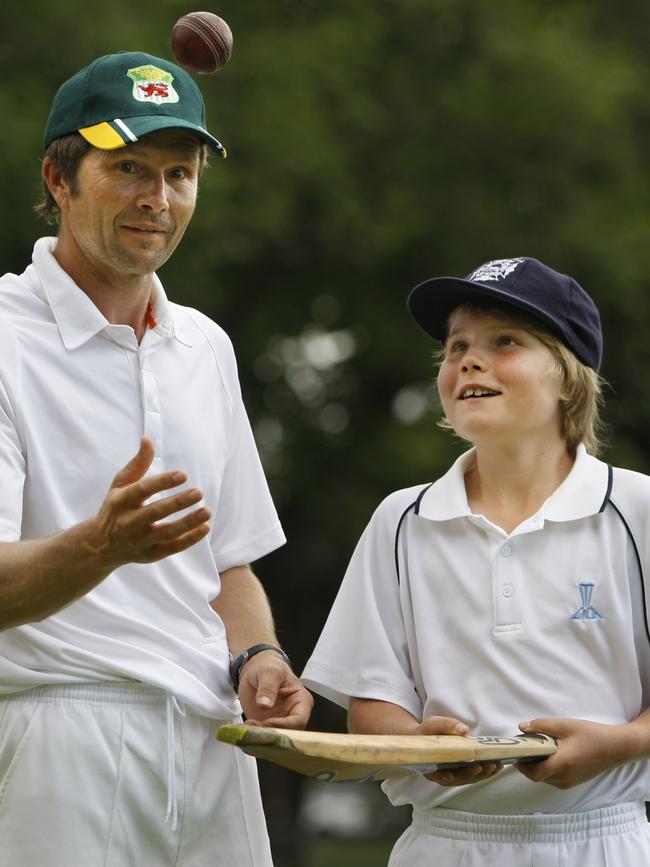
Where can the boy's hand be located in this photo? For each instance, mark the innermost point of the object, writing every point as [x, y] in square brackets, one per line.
[474, 773]
[585, 749]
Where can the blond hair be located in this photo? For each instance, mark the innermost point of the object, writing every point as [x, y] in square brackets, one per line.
[582, 387]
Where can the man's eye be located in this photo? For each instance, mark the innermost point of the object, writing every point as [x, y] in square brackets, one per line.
[127, 167]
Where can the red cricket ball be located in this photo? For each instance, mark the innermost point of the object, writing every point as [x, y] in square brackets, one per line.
[202, 42]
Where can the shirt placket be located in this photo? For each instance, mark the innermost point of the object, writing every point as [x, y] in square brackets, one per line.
[507, 613]
[151, 420]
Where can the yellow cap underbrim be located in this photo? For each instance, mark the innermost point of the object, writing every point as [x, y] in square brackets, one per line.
[102, 135]
[113, 134]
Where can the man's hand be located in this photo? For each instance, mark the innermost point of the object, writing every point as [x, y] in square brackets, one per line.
[39, 577]
[585, 749]
[128, 529]
[272, 695]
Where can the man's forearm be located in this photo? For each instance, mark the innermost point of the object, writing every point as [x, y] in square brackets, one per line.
[39, 577]
[269, 691]
[244, 608]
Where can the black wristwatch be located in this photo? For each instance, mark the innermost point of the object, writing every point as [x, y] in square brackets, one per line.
[237, 664]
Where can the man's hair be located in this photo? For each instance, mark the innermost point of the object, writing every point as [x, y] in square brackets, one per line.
[66, 154]
[582, 387]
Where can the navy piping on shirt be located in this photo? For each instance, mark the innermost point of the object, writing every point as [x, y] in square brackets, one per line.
[610, 482]
[415, 505]
[607, 501]
[638, 560]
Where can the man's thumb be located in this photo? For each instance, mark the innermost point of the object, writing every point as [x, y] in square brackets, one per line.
[137, 466]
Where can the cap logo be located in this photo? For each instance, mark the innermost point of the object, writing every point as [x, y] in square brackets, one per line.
[151, 84]
[495, 270]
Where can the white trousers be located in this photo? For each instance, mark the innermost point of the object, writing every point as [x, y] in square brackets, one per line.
[617, 836]
[122, 775]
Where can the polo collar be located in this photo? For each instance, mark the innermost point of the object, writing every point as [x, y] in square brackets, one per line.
[584, 492]
[77, 318]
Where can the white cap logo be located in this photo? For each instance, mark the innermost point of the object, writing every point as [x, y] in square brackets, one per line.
[495, 270]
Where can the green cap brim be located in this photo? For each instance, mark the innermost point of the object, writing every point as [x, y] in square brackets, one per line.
[113, 134]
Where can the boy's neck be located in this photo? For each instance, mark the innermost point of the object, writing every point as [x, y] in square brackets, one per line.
[509, 487]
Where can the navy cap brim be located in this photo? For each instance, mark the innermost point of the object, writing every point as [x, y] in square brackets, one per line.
[432, 302]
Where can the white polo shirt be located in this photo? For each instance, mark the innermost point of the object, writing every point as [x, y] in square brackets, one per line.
[444, 613]
[76, 395]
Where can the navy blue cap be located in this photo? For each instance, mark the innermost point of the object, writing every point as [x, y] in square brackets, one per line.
[556, 300]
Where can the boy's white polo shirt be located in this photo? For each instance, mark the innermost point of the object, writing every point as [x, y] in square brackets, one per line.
[495, 629]
[76, 395]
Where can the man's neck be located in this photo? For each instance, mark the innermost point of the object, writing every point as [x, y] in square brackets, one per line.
[122, 298]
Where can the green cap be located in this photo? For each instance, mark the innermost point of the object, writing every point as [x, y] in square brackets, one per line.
[119, 98]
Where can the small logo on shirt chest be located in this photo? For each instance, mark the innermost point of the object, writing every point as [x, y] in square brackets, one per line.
[586, 610]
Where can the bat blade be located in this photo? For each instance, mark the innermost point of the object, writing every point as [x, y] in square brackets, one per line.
[337, 757]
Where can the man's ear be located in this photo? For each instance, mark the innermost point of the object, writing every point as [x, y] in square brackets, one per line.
[57, 185]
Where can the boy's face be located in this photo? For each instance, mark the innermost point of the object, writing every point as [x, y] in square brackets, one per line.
[498, 382]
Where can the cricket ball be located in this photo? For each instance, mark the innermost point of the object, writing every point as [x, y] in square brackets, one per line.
[202, 42]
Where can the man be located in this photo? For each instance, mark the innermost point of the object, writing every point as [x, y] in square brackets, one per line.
[128, 612]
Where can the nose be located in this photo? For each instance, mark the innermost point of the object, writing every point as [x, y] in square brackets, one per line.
[472, 361]
[153, 194]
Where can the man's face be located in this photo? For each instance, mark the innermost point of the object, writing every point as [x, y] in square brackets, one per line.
[132, 205]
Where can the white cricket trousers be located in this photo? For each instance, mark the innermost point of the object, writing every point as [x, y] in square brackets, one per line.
[617, 836]
[122, 775]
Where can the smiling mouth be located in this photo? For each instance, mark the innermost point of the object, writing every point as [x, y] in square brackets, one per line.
[473, 393]
[151, 230]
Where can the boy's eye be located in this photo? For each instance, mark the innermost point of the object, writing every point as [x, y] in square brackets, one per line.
[506, 340]
[458, 346]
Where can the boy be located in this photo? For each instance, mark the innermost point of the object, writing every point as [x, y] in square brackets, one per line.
[510, 591]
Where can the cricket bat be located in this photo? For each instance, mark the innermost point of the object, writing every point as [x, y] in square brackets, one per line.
[335, 757]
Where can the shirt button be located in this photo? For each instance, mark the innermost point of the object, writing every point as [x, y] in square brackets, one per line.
[506, 551]
[508, 590]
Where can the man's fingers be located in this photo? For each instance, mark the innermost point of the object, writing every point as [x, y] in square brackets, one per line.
[137, 466]
[169, 530]
[267, 692]
[131, 526]
[170, 537]
[136, 493]
[165, 549]
[157, 511]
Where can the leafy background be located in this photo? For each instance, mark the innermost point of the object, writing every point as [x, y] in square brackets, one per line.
[371, 145]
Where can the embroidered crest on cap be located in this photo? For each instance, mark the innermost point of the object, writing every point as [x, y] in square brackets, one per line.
[151, 84]
[495, 270]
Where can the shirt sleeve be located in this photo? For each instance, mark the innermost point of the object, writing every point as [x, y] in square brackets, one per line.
[363, 649]
[246, 525]
[12, 461]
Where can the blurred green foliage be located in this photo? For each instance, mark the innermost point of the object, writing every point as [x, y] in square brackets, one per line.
[371, 145]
